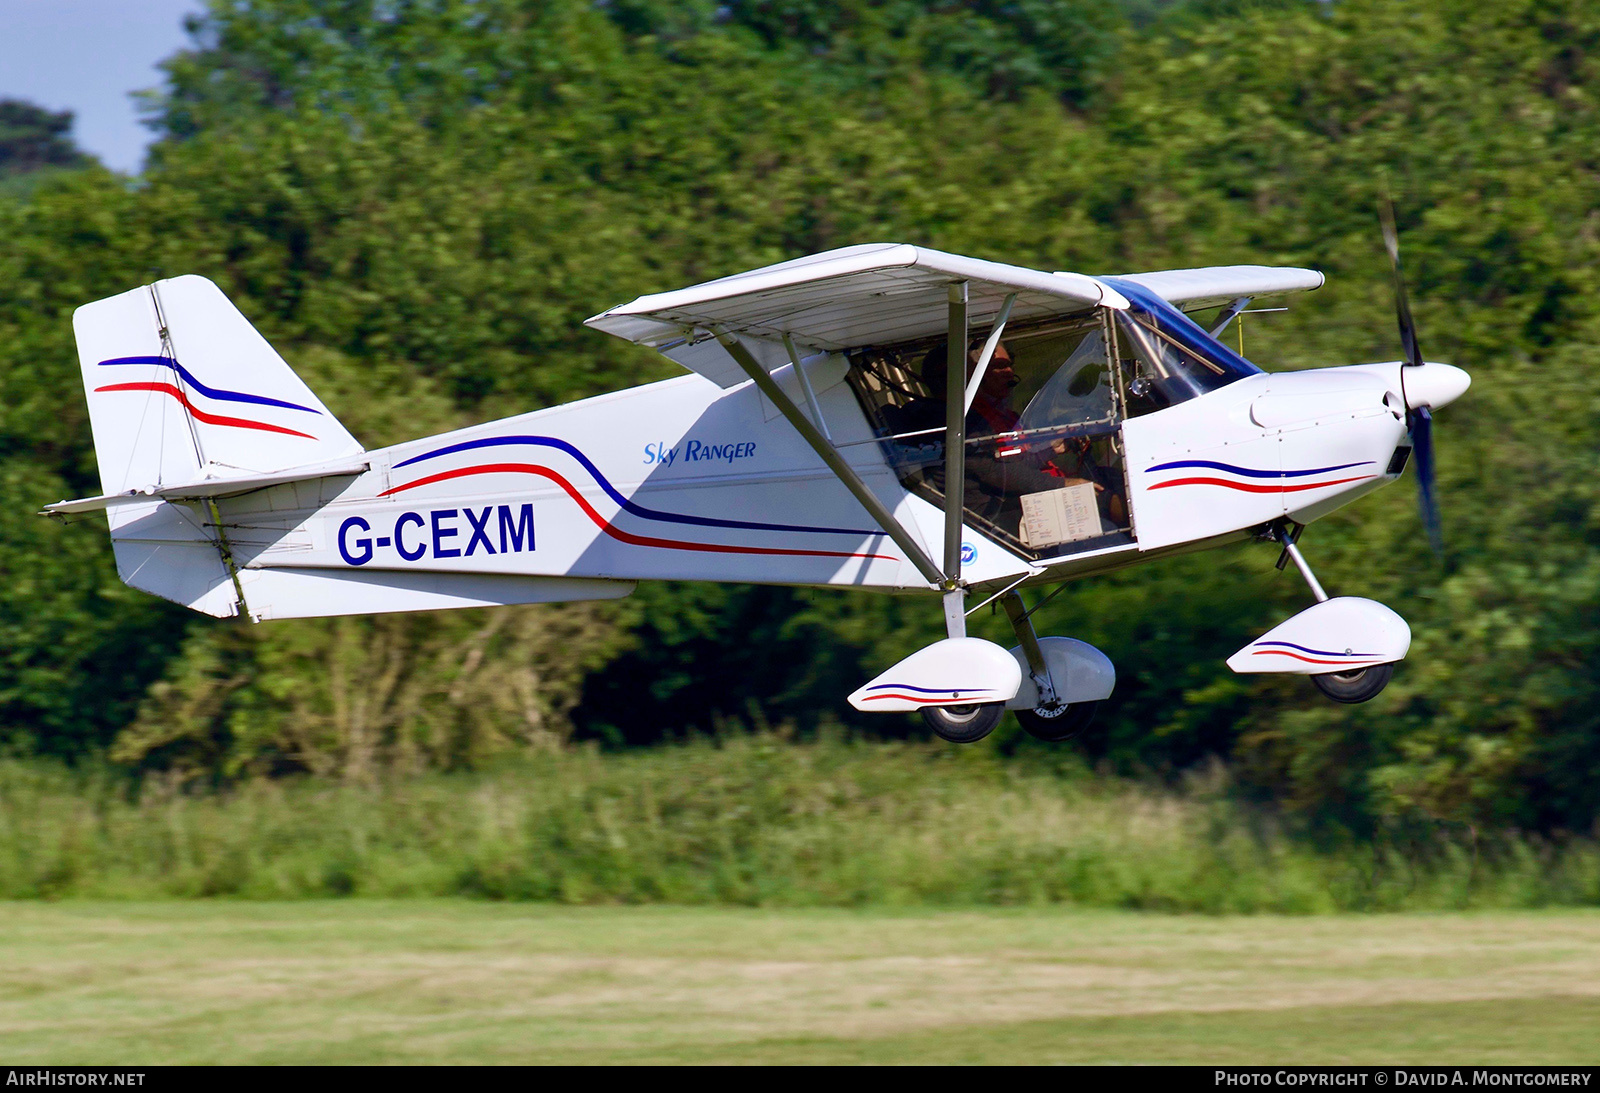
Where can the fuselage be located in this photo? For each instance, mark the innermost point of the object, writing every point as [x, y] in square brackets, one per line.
[807, 447]
[685, 480]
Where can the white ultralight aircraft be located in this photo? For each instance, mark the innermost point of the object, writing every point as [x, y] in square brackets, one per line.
[1089, 422]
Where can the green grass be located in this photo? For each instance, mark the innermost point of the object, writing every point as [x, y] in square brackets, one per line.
[435, 981]
[754, 822]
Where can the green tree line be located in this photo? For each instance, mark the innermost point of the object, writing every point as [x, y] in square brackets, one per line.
[418, 201]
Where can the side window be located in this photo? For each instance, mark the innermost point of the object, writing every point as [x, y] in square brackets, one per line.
[1079, 392]
[1044, 466]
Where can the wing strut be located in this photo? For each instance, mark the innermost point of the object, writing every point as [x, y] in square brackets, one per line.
[830, 455]
[955, 461]
[1231, 313]
[989, 346]
[805, 383]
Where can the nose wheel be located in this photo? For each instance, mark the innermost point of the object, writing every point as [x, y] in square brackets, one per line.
[1358, 684]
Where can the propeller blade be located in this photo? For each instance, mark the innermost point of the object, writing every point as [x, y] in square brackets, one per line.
[1420, 422]
[1402, 305]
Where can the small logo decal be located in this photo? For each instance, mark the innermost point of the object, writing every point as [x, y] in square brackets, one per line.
[969, 553]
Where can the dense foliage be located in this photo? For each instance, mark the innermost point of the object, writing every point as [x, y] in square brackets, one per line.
[419, 200]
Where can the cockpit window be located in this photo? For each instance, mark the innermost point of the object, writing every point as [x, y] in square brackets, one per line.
[1043, 460]
[1174, 360]
[1079, 392]
[1044, 463]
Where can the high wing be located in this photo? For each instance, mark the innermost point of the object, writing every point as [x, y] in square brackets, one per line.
[1207, 286]
[872, 294]
[887, 293]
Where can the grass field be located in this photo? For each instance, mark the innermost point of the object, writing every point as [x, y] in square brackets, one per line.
[455, 981]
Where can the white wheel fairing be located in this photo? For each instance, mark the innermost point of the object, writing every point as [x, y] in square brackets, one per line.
[1078, 671]
[1344, 634]
[952, 672]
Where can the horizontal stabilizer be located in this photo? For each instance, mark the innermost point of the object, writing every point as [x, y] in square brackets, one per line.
[208, 487]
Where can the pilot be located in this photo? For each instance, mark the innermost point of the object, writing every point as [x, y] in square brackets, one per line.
[990, 412]
[1007, 467]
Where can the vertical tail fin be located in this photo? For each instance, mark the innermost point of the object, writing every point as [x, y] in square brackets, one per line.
[181, 387]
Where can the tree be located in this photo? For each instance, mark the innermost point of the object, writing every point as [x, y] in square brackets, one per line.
[32, 138]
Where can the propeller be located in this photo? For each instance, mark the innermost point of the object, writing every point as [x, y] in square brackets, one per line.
[1418, 421]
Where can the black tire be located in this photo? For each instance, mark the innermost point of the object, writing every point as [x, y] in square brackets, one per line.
[1356, 686]
[963, 724]
[1062, 723]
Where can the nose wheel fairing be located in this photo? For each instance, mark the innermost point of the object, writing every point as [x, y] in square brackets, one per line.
[1348, 645]
[1340, 635]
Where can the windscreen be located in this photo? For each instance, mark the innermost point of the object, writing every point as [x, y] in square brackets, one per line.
[1173, 358]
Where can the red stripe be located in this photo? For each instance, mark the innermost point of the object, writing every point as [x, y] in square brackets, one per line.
[1249, 487]
[1308, 660]
[201, 415]
[926, 701]
[605, 525]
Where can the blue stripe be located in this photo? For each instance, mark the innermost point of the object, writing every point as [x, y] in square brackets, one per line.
[614, 494]
[1249, 472]
[210, 392]
[1318, 652]
[926, 690]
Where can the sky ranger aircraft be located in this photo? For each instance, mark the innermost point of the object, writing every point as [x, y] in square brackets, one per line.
[1089, 422]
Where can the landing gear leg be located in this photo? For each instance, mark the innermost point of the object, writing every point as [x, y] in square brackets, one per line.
[1017, 612]
[1052, 719]
[1347, 687]
[1288, 534]
[955, 613]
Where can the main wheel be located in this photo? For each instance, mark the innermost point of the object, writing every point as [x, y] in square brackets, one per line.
[1063, 722]
[1356, 686]
[963, 724]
